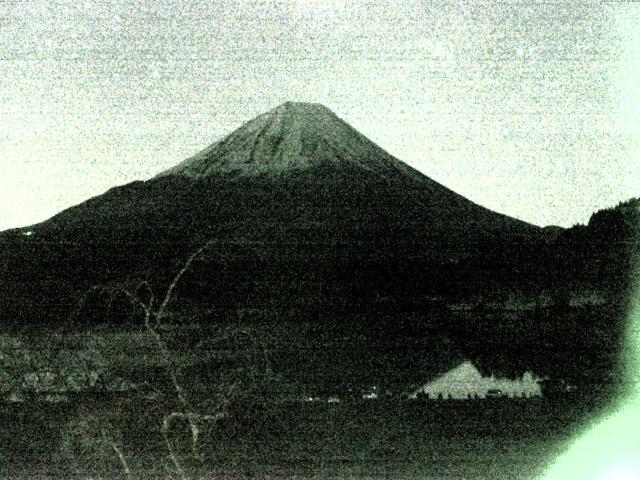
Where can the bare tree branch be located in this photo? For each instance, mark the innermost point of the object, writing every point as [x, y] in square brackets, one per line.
[118, 452]
[176, 280]
[152, 320]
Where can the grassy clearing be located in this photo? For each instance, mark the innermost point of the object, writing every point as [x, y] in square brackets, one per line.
[359, 440]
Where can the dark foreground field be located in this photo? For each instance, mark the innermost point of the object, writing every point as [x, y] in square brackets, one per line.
[509, 439]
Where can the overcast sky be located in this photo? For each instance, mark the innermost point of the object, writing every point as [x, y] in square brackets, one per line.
[529, 108]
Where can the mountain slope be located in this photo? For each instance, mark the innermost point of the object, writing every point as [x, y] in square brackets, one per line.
[307, 221]
[296, 185]
[299, 152]
[313, 228]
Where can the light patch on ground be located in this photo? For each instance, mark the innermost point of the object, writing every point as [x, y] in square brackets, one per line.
[611, 450]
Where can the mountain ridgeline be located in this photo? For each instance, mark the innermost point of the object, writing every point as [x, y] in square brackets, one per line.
[309, 223]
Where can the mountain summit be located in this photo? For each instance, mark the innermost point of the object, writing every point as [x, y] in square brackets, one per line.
[292, 136]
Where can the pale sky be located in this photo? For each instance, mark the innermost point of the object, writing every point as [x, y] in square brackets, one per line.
[529, 108]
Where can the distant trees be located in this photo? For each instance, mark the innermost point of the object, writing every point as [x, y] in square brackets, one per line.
[620, 222]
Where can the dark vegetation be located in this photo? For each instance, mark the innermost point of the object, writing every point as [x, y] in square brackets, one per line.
[336, 285]
[359, 439]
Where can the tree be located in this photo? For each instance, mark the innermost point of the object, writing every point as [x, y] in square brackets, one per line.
[154, 312]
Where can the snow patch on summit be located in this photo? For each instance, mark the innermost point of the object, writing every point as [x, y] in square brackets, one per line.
[292, 136]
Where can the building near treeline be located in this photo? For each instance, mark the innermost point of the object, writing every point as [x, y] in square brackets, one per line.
[466, 382]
